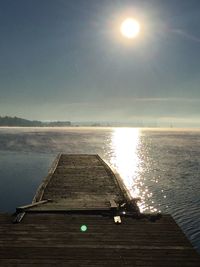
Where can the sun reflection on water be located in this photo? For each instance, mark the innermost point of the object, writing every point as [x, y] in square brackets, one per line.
[125, 142]
[126, 159]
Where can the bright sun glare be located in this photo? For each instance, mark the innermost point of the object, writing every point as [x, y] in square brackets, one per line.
[130, 28]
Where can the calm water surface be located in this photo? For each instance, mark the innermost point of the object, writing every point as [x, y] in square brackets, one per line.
[161, 167]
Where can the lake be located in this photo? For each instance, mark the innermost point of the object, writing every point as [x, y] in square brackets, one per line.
[161, 166]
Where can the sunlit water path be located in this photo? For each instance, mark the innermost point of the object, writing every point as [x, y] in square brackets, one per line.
[161, 167]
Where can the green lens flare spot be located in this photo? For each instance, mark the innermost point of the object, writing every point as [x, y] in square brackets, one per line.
[83, 228]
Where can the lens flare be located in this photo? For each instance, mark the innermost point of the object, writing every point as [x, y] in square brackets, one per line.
[83, 228]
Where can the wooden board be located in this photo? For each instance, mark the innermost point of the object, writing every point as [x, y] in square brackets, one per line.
[49, 235]
[79, 181]
[56, 240]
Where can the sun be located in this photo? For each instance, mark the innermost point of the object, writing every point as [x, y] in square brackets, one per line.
[130, 28]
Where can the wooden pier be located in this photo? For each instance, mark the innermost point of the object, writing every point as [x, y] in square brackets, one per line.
[82, 215]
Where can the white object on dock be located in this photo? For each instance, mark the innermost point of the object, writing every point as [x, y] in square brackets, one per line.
[117, 219]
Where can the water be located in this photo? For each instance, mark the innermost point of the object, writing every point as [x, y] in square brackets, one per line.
[160, 166]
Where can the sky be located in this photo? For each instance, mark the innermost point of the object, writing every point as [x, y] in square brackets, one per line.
[66, 60]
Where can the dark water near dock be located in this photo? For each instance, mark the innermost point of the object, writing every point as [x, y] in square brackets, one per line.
[160, 166]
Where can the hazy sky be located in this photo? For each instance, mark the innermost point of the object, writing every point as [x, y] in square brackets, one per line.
[66, 60]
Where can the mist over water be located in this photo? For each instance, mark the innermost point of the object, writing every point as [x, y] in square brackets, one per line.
[160, 166]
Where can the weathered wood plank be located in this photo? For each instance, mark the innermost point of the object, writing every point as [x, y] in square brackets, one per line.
[31, 205]
[79, 181]
[85, 182]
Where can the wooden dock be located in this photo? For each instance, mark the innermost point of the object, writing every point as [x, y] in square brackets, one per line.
[81, 190]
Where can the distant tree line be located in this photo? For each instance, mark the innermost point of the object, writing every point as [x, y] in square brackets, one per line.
[15, 121]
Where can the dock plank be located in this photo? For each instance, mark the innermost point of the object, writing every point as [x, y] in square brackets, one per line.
[49, 236]
[80, 181]
[42, 239]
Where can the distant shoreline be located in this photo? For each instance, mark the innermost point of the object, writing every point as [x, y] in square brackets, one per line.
[16, 122]
[7, 121]
[104, 127]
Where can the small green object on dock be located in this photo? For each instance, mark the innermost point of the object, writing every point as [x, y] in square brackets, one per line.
[83, 228]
